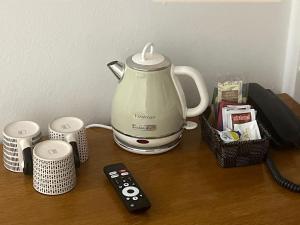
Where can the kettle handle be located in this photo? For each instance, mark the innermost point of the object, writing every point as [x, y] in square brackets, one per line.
[200, 84]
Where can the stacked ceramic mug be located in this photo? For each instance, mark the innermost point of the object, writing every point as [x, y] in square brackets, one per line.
[54, 169]
[71, 130]
[19, 137]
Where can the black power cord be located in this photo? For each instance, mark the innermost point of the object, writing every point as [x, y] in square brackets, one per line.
[282, 181]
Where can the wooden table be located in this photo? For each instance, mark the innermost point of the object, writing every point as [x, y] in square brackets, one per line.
[184, 185]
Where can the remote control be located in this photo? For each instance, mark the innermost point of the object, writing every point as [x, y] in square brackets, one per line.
[131, 194]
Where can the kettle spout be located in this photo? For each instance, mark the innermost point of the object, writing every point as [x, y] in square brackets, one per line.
[117, 68]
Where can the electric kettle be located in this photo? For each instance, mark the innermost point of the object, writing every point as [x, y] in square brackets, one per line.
[149, 108]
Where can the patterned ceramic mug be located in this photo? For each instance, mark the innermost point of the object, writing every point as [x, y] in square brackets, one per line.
[18, 139]
[53, 167]
[71, 130]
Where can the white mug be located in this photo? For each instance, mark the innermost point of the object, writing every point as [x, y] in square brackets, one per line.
[53, 167]
[71, 130]
[18, 139]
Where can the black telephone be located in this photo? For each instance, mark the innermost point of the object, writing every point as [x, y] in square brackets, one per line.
[282, 124]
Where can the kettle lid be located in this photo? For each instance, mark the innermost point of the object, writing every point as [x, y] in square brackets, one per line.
[148, 60]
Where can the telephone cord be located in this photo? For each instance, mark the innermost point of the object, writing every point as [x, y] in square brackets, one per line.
[282, 181]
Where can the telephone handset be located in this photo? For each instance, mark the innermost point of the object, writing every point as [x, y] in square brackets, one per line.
[282, 124]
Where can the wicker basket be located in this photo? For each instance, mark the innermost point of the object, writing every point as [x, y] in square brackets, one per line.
[238, 153]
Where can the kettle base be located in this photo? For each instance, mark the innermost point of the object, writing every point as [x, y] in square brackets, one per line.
[148, 150]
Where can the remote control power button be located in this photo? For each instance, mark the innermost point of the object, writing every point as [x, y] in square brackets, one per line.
[124, 174]
[130, 191]
[126, 184]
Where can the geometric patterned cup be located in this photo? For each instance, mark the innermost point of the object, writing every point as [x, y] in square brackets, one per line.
[18, 139]
[53, 167]
[71, 130]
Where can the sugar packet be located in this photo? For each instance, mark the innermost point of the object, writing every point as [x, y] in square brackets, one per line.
[229, 136]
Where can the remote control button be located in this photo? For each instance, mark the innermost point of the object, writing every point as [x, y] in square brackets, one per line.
[120, 186]
[135, 198]
[126, 184]
[124, 174]
[122, 171]
[141, 195]
[114, 176]
[131, 205]
[127, 199]
[130, 191]
[113, 173]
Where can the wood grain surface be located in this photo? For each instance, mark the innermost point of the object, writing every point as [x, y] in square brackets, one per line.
[185, 186]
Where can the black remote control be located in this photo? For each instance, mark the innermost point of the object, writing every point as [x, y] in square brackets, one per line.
[129, 191]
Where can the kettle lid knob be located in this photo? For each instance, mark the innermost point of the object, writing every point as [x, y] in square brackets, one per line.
[148, 56]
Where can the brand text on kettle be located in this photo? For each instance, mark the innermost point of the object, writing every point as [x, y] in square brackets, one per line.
[141, 116]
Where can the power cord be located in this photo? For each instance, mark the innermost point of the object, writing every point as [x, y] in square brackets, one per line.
[99, 126]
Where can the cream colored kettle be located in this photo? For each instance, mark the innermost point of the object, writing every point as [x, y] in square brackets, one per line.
[149, 108]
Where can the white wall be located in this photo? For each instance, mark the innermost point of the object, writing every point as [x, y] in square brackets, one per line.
[53, 53]
[290, 83]
[295, 43]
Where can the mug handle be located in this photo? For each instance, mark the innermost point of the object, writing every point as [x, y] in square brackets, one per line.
[72, 141]
[25, 145]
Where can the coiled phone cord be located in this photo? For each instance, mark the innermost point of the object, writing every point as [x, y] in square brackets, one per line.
[279, 178]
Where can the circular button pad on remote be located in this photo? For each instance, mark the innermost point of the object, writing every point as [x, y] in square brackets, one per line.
[130, 191]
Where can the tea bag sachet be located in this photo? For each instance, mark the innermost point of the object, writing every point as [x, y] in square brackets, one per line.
[230, 91]
[236, 114]
[249, 131]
